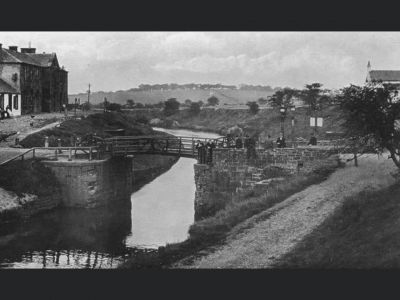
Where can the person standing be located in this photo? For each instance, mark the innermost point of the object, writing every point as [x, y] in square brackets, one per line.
[313, 140]
[239, 143]
[280, 142]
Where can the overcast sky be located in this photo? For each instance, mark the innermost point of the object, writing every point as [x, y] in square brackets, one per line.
[113, 61]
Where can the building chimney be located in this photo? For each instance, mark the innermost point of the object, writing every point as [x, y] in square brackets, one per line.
[13, 48]
[28, 50]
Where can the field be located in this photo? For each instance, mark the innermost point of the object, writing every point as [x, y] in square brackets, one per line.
[226, 97]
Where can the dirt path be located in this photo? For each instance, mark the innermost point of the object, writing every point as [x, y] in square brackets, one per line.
[20, 126]
[291, 220]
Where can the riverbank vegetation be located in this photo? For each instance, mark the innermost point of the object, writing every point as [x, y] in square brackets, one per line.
[212, 230]
[264, 122]
[27, 180]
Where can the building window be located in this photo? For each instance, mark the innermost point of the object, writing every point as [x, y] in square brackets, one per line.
[15, 101]
[2, 101]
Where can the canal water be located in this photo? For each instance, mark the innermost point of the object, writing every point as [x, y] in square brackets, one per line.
[160, 212]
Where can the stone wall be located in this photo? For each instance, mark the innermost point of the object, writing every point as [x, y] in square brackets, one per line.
[93, 183]
[231, 172]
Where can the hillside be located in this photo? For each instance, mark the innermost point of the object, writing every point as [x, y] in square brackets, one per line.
[266, 121]
[226, 96]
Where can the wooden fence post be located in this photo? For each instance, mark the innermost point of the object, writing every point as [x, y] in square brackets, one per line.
[355, 159]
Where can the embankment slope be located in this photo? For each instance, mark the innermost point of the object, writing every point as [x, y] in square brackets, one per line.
[265, 243]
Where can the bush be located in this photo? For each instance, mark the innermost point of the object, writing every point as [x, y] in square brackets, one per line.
[194, 108]
[171, 106]
[212, 101]
[253, 107]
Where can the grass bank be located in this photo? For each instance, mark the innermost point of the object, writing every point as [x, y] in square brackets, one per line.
[212, 231]
[98, 123]
[27, 177]
[364, 233]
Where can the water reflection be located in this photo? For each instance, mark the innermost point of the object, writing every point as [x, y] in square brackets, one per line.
[66, 237]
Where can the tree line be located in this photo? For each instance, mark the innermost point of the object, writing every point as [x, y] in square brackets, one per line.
[202, 86]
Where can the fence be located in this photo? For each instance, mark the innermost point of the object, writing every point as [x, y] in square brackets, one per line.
[58, 151]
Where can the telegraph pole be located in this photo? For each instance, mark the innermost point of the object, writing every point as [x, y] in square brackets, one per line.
[88, 95]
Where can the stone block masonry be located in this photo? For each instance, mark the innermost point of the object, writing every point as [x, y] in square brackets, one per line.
[231, 171]
[93, 183]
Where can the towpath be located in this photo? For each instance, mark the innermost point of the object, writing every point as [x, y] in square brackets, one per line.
[276, 231]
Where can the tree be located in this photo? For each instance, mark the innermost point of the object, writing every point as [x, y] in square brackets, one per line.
[139, 105]
[253, 107]
[171, 106]
[201, 103]
[371, 115]
[188, 102]
[194, 108]
[130, 103]
[262, 101]
[313, 96]
[212, 101]
[283, 98]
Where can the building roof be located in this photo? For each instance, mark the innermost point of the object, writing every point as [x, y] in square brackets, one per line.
[42, 60]
[6, 88]
[9, 56]
[384, 75]
[45, 59]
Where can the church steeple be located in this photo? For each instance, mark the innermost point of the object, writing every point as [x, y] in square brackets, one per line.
[368, 67]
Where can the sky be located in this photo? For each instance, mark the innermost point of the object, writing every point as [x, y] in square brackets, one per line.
[112, 61]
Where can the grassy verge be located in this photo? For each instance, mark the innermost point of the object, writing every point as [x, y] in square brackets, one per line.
[97, 123]
[28, 176]
[213, 230]
[364, 233]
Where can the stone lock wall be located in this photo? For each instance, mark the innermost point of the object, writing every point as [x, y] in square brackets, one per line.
[231, 171]
[93, 183]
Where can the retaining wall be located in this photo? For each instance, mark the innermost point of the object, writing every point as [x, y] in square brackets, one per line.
[231, 171]
[93, 183]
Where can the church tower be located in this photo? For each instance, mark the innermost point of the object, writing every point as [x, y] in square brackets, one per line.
[368, 79]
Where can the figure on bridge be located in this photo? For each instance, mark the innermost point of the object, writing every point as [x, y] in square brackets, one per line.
[280, 142]
[201, 152]
[210, 146]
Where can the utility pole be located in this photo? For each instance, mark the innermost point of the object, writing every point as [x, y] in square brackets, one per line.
[88, 95]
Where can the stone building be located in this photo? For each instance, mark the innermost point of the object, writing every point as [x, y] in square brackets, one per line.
[31, 82]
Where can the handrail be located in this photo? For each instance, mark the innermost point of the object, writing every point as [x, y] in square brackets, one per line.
[48, 149]
[15, 157]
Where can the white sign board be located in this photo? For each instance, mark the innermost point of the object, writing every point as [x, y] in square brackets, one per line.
[319, 122]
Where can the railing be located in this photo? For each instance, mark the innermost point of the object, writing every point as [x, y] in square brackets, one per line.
[58, 152]
[181, 146]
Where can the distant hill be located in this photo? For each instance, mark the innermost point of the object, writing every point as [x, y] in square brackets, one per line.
[228, 96]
